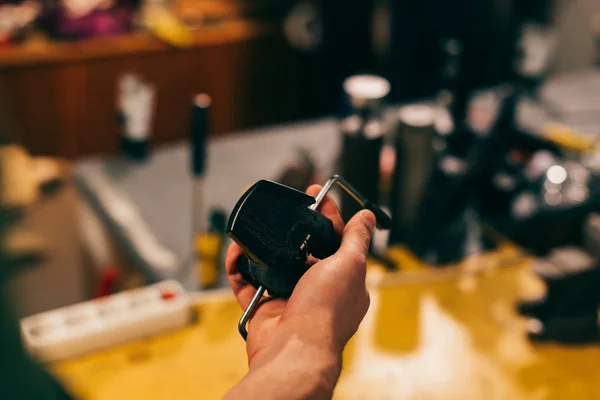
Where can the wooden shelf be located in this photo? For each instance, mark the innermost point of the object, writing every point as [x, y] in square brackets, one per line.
[36, 51]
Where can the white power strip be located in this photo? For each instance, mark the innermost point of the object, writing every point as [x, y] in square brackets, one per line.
[92, 325]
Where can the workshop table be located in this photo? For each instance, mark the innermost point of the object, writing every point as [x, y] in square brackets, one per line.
[429, 334]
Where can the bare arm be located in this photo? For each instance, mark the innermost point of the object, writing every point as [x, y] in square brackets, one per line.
[298, 371]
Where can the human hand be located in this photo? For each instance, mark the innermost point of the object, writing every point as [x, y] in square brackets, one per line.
[327, 305]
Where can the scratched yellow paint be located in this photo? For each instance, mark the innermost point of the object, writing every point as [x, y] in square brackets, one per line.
[429, 334]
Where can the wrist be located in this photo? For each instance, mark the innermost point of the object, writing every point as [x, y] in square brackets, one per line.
[298, 370]
[316, 329]
[308, 367]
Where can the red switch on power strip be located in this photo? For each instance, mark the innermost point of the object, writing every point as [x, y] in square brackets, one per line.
[167, 295]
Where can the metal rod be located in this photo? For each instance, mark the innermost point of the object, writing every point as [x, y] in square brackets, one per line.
[249, 311]
[343, 184]
[383, 219]
[326, 188]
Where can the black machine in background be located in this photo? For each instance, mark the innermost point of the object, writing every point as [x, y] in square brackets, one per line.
[400, 41]
[487, 171]
[568, 313]
[487, 30]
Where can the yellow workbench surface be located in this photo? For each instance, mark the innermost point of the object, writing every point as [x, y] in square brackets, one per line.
[429, 334]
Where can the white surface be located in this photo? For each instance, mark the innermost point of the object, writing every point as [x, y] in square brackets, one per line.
[92, 325]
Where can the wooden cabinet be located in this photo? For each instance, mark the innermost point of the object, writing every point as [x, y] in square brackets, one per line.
[61, 96]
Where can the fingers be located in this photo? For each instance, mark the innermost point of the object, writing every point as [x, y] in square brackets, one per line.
[328, 208]
[242, 290]
[334, 290]
[356, 238]
[343, 272]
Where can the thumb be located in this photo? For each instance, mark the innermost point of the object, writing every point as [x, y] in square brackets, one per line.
[356, 238]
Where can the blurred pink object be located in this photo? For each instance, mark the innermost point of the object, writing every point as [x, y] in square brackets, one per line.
[80, 19]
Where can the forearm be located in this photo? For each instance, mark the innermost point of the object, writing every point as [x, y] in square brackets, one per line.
[297, 371]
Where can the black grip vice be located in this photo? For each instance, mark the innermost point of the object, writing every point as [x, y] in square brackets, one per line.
[274, 226]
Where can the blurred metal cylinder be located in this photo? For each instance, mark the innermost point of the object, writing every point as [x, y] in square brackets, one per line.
[360, 163]
[415, 161]
[363, 133]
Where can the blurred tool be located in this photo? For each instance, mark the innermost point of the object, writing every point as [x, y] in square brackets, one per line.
[208, 250]
[98, 248]
[109, 272]
[125, 220]
[82, 328]
[300, 173]
[199, 130]
[569, 311]
[362, 138]
[415, 159]
[135, 107]
[198, 158]
[278, 228]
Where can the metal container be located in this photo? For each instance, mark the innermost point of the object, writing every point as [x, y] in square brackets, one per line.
[415, 161]
[363, 133]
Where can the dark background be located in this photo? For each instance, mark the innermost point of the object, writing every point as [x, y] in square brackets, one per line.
[59, 98]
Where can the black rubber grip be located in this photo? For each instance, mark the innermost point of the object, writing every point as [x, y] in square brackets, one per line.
[279, 282]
